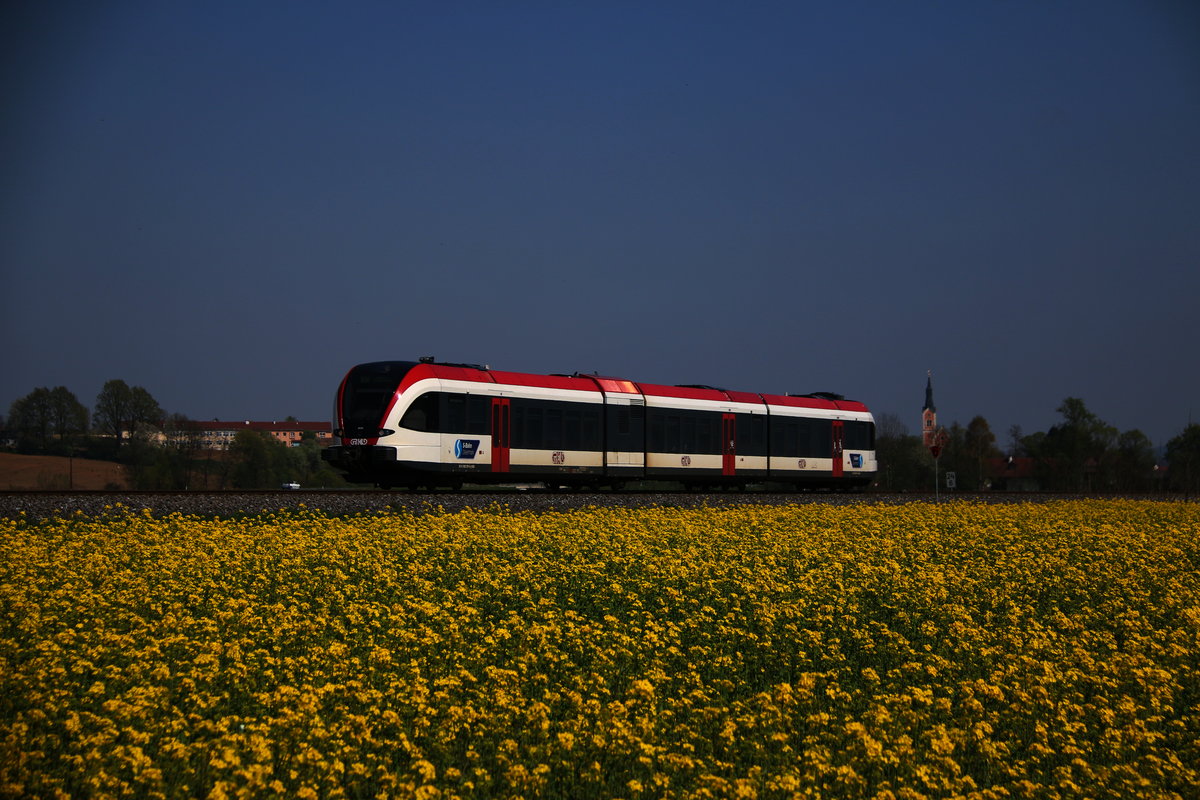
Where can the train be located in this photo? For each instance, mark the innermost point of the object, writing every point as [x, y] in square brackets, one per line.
[431, 424]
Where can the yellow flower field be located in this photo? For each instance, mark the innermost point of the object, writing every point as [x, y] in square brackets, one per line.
[873, 651]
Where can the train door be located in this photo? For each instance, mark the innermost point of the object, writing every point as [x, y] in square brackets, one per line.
[838, 446]
[728, 444]
[501, 429]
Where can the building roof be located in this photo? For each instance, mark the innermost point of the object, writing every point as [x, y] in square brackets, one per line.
[252, 425]
[1011, 467]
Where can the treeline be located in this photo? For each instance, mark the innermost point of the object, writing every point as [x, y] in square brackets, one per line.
[1082, 453]
[159, 450]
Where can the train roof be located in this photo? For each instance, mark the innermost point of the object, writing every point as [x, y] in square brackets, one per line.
[686, 392]
[452, 372]
[411, 372]
[568, 382]
[812, 401]
[611, 385]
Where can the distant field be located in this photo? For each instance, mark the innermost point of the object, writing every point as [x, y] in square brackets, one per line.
[865, 651]
[19, 472]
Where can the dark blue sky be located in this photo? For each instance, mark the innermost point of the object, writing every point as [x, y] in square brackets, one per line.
[231, 203]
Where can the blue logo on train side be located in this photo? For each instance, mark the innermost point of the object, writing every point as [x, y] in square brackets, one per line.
[466, 448]
[856, 460]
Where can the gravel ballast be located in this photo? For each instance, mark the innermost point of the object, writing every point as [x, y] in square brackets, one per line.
[42, 505]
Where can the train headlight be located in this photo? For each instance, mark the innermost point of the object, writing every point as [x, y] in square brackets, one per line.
[385, 432]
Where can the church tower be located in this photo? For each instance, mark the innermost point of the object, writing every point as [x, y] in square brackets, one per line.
[928, 413]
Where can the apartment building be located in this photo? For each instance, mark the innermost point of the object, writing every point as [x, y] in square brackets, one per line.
[218, 435]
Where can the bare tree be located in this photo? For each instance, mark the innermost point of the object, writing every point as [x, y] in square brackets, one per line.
[890, 426]
[114, 406]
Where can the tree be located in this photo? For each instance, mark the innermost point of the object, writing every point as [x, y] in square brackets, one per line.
[47, 420]
[308, 467]
[30, 420]
[1131, 462]
[980, 445]
[68, 416]
[122, 409]
[167, 465]
[114, 407]
[903, 461]
[890, 426]
[1076, 447]
[1183, 460]
[257, 461]
[147, 415]
[1016, 442]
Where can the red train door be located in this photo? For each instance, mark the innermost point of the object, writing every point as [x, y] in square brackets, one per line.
[728, 444]
[838, 432]
[501, 428]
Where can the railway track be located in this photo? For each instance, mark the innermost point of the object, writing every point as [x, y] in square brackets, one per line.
[43, 504]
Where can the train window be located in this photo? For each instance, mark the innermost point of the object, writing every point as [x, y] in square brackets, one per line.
[860, 436]
[369, 391]
[623, 420]
[752, 434]
[534, 431]
[478, 406]
[658, 431]
[626, 428]
[817, 438]
[572, 428]
[672, 442]
[590, 429]
[454, 413]
[806, 434]
[792, 437]
[553, 425]
[554, 428]
[519, 436]
[422, 415]
[706, 434]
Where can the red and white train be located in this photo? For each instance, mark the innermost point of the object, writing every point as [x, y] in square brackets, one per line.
[406, 423]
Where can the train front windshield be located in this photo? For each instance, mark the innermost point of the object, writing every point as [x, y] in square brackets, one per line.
[369, 389]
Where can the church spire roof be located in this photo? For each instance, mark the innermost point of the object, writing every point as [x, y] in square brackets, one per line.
[929, 392]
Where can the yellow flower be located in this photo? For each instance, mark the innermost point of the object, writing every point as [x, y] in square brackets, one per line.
[958, 649]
